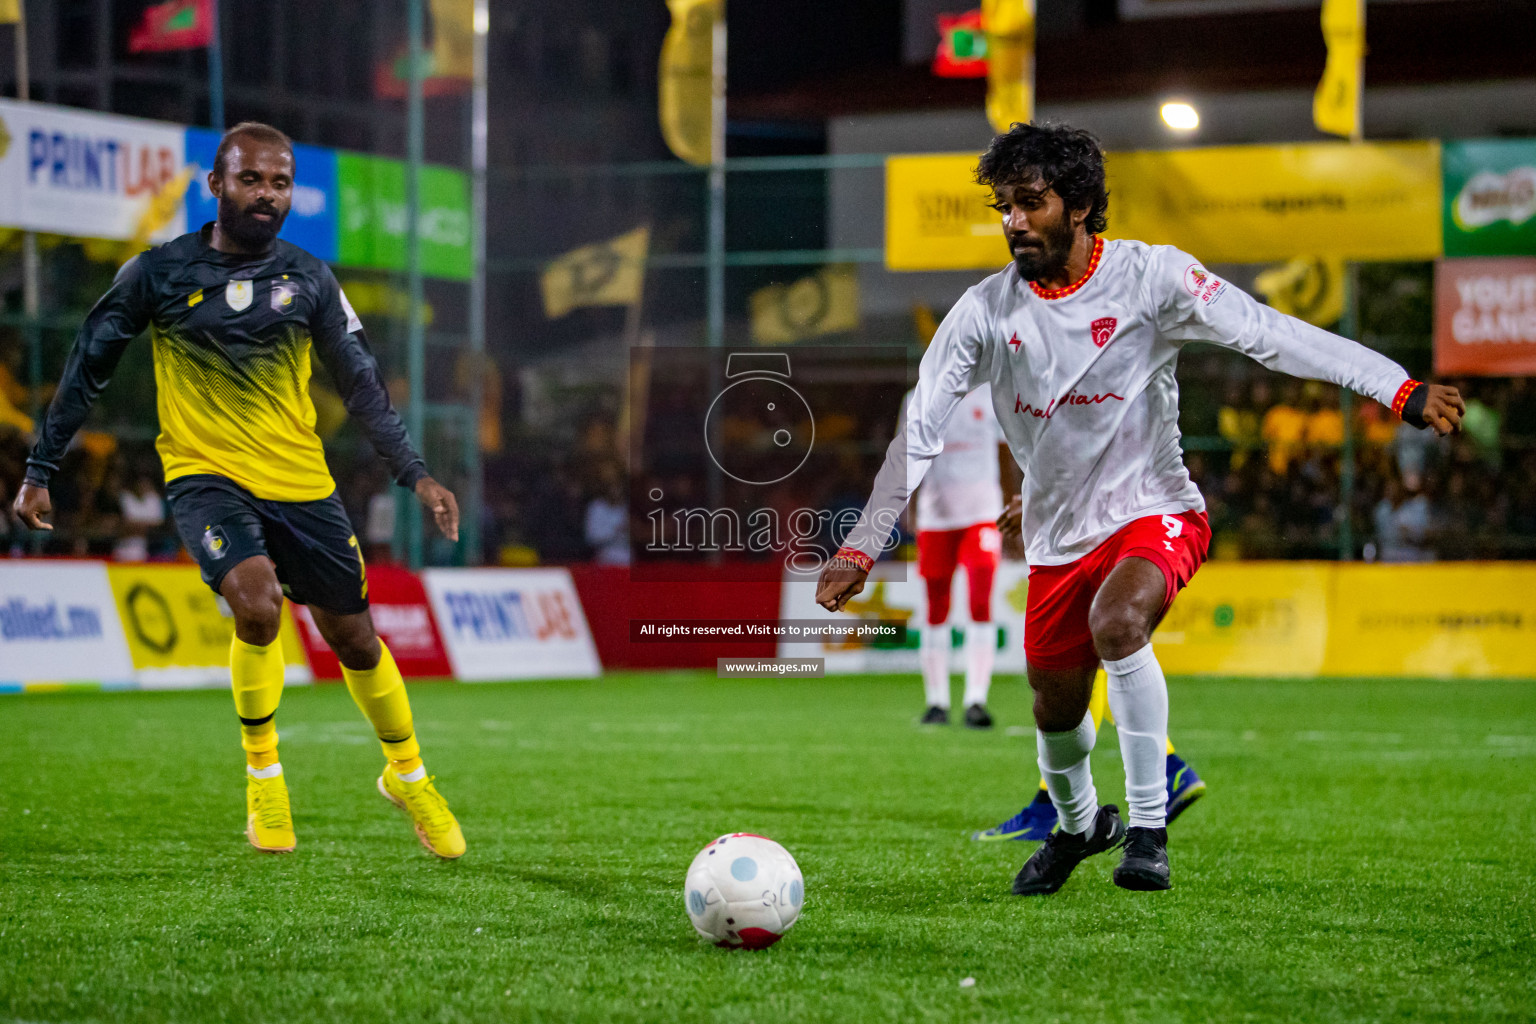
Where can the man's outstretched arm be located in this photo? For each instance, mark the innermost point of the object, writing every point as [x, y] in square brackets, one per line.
[359, 382]
[950, 370]
[1225, 315]
[116, 319]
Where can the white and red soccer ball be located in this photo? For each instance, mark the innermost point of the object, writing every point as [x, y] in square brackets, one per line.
[743, 890]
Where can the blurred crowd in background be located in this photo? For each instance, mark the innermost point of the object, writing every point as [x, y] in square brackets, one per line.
[1265, 450]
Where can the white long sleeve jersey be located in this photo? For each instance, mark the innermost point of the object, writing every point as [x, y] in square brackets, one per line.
[1082, 381]
[963, 486]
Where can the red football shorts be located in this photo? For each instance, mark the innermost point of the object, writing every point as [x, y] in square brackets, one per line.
[1056, 634]
[979, 548]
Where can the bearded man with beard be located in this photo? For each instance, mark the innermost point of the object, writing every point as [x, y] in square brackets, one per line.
[235, 314]
[1077, 340]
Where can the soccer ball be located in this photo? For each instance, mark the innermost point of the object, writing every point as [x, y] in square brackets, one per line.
[743, 890]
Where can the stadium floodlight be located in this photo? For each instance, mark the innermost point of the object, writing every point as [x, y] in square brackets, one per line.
[1180, 116]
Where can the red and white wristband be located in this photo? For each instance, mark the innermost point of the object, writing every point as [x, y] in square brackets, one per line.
[855, 557]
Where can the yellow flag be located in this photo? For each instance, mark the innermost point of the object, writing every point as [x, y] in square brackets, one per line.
[1310, 288]
[1336, 104]
[453, 38]
[825, 302]
[10, 12]
[159, 211]
[687, 76]
[1010, 28]
[608, 273]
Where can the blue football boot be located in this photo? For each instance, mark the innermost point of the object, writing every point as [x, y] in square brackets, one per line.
[1038, 818]
[1184, 786]
[1033, 823]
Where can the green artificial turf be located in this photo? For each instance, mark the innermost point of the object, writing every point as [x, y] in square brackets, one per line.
[1364, 854]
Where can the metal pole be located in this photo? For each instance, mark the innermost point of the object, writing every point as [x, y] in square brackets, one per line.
[31, 269]
[717, 186]
[716, 321]
[216, 71]
[478, 137]
[1351, 328]
[416, 418]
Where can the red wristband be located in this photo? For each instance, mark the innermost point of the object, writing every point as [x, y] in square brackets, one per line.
[1403, 394]
[855, 556]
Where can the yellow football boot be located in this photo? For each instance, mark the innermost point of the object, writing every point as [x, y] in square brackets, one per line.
[268, 820]
[435, 824]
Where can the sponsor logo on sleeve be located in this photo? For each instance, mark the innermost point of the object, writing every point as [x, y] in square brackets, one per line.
[353, 323]
[1202, 284]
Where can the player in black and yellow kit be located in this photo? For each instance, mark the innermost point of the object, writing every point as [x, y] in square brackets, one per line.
[235, 315]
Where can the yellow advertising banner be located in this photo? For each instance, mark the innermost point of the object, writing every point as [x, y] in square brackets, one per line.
[1248, 619]
[1230, 204]
[1468, 619]
[177, 635]
[1452, 620]
[1261, 204]
[937, 217]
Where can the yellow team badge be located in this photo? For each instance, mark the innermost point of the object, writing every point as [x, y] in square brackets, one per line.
[238, 294]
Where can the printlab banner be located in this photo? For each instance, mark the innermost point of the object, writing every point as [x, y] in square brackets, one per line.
[1485, 317]
[58, 624]
[178, 635]
[1232, 204]
[1490, 197]
[312, 220]
[74, 172]
[512, 624]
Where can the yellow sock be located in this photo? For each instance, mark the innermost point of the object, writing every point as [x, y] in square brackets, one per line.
[256, 678]
[380, 694]
[1170, 745]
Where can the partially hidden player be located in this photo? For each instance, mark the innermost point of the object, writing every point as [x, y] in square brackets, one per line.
[235, 315]
[1077, 340]
[1037, 819]
[957, 509]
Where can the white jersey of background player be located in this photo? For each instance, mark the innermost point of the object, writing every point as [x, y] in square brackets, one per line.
[957, 510]
[1077, 342]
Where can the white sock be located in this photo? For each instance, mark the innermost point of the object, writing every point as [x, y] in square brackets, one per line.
[1064, 763]
[1138, 698]
[271, 771]
[934, 655]
[415, 776]
[980, 653]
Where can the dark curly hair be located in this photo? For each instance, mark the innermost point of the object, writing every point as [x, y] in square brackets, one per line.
[1067, 159]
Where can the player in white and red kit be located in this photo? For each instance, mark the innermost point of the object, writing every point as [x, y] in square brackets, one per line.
[957, 510]
[1077, 342]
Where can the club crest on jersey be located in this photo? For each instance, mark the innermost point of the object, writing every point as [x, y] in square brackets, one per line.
[237, 294]
[1102, 329]
[282, 297]
[1203, 284]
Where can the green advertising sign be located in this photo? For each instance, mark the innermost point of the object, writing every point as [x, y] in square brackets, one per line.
[1490, 197]
[372, 216]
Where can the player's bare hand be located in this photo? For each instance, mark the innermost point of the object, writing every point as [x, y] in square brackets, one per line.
[841, 581]
[440, 501]
[1011, 523]
[32, 503]
[1443, 409]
